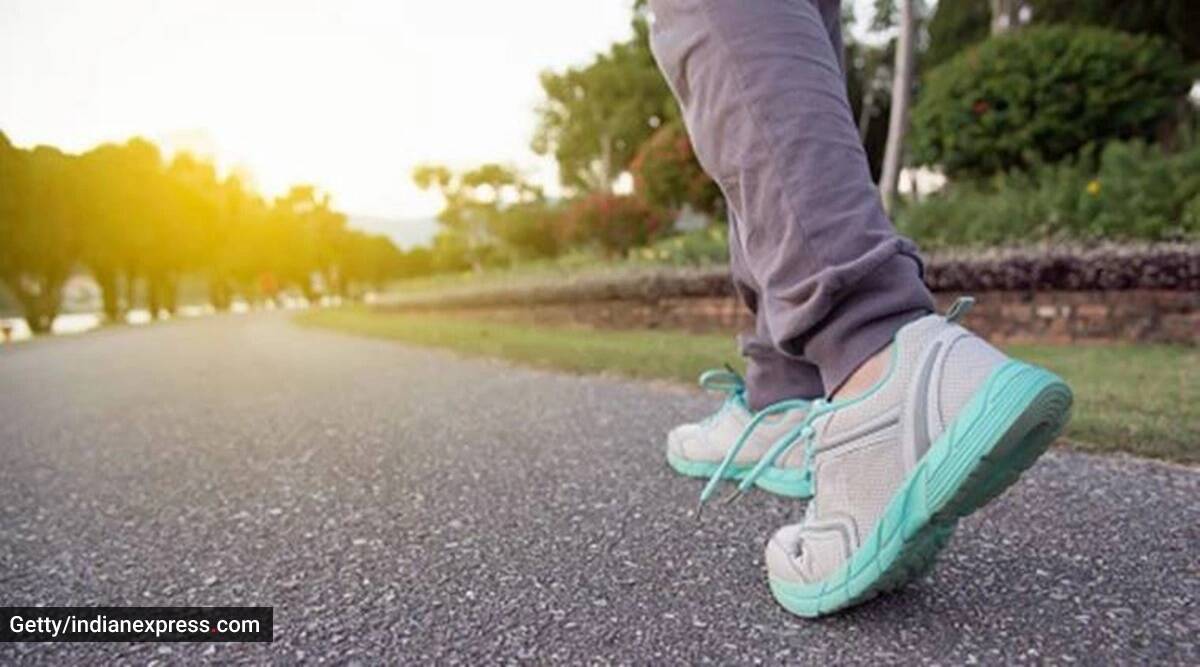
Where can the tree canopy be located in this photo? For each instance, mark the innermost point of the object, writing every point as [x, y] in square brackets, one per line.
[594, 118]
[137, 222]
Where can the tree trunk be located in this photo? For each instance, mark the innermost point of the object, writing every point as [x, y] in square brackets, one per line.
[153, 294]
[902, 79]
[219, 294]
[110, 295]
[40, 299]
[864, 114]
[306, 286]
[1005, 15]
[171, 294]
[607, 176]
[130, 291]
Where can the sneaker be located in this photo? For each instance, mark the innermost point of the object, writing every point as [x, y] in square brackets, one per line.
[951, 425]
[729, 443]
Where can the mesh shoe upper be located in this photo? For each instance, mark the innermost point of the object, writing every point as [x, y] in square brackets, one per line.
[864, 449]
[710, 439]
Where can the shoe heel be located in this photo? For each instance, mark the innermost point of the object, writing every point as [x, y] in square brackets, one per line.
[1004, 428]
[1032, 406]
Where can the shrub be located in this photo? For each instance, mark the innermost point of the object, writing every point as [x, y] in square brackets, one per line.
[614, 223]
[1165, 266]
[1130, 191]
[1041, 94]
[667, 175]
[531, 230]
[699, 247]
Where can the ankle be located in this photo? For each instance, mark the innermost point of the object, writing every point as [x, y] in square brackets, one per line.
[865, 376]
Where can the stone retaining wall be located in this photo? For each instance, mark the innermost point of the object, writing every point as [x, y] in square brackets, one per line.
[1003, 316]
[1039, 293]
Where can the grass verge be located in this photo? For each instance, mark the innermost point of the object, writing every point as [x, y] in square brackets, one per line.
[1139, 399]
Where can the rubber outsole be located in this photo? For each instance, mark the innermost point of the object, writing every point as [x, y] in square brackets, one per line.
[1002, 430]
[791, 483]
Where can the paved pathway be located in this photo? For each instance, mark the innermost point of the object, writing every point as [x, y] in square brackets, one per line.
[401, 503]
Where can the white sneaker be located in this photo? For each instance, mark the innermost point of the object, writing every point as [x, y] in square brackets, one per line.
[952, 424]
[729, 443]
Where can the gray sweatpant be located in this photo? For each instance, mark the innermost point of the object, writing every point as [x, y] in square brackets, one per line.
[813, 254]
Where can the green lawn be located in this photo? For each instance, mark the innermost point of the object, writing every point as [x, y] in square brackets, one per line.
[1140, 399]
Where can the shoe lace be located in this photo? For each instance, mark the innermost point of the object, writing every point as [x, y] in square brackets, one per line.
[804, 432]
[724, 380]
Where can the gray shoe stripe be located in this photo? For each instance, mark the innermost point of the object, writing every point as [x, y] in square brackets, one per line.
[922, 414]
[935, 417]
[917, 443]
[835, 524]
[828, 441]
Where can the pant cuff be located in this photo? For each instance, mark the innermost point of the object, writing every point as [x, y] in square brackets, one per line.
[867, 320]
[772, 377]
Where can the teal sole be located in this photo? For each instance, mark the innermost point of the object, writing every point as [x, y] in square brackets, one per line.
[785, 482]
[1001, 431]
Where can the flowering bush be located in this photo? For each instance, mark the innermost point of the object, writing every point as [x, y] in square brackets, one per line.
[615, 223]
[667, 175]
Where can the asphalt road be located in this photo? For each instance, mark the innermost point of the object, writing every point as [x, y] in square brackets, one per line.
[398, 503]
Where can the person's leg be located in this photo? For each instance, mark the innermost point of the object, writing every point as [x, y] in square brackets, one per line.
[777, 388]
[771, 376]
[953, 421]
[764, 101]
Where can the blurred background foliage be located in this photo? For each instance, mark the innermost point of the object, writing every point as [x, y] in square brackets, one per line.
[1119, 191]
[1073, 124]
[139, 224]
[1043, 93]
[1050, 121]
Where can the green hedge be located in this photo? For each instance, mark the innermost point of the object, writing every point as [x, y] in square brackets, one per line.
[1129, 191]
[698, 247]
[1041, 94]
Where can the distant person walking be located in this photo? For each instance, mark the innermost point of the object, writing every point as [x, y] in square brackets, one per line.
[893, 420]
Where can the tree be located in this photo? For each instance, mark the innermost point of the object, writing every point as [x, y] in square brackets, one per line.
[368, 261]
[1006, 15]
[955, 25]
[39, 228]
[105, 238]
[902, 82]
[186, 209]
[307, 233]
[131, 219]
[229, 241]
[123, 192]
[958, 24]
[482, 207]
[1177, 21]
[869, 84]
[146, 223]
[595, 118]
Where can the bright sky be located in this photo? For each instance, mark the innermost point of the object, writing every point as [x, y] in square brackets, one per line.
[347, 94]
